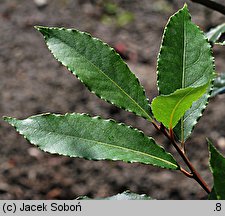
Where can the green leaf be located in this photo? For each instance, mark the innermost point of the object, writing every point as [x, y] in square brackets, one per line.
[99, 67]
[219, 85]
[79, 135]
[217, 166]
[213, 195]
[185, 60]
[126, 195]
[215, 33]
[169, 109]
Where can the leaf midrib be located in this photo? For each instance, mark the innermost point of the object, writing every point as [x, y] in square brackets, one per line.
[100, 71]
[183, 74]
[175, 108]
[184, 54]
[108, 145]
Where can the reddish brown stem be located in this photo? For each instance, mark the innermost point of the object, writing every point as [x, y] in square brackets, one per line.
[194, 174]
[171, 134]
[190, 175]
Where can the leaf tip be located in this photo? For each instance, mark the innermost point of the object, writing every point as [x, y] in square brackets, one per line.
[210, 145]
[6, 118]
[41, 29]
[185, 6]
[38, 27]
[9, 120]
[186, 10]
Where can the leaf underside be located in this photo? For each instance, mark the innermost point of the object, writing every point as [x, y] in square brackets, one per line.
[217, 166]
[169, 109]
[185, 60]
[215, 33]
[219, 85]
[79, 135]
[99, 67]
[126, 195]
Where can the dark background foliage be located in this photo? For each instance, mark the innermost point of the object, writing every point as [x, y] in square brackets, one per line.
[32, 82]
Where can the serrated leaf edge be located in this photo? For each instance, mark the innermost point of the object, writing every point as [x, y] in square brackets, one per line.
[218, 28]
[126, 193]
[172, 115]
[148, 117]
[178, 103]
[5, 118]
[208, 94]
[211, 146]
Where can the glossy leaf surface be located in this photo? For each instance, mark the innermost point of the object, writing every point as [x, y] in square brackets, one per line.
[219, 85]
[185, 60]
[215, 33]
[122, 196]
[79, 135]
[99, 67]
[169, 109]
[217, 165]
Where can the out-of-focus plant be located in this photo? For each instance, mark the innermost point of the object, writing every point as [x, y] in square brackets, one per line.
[115, 15]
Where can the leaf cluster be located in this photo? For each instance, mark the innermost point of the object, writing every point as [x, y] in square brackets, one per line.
[185, 72]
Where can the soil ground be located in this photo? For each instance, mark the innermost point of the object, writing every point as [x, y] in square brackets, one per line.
[32, 82]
